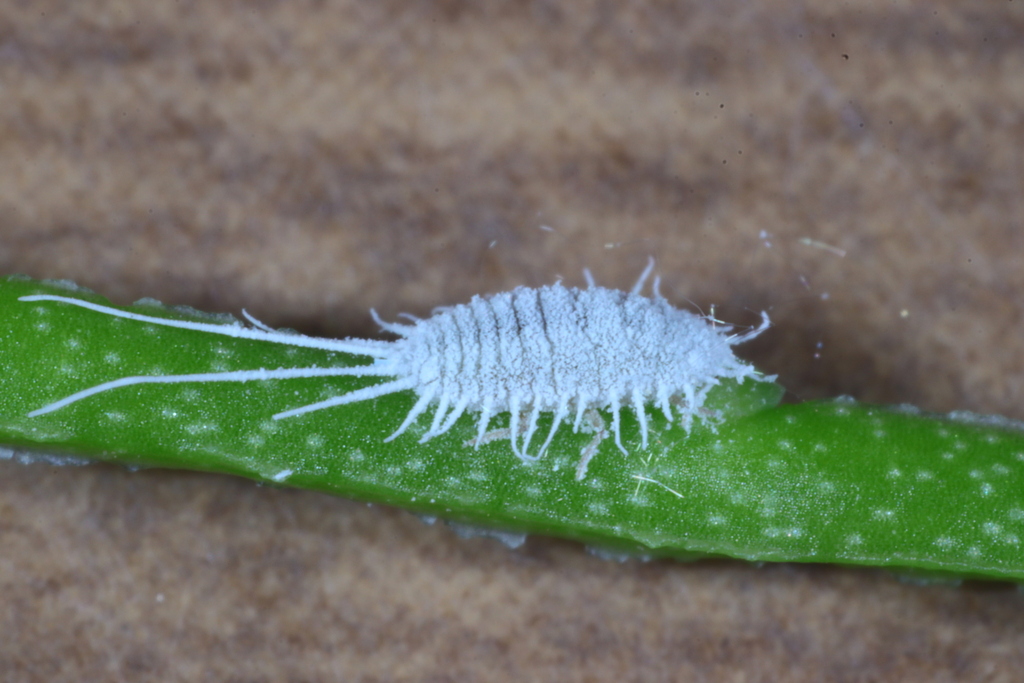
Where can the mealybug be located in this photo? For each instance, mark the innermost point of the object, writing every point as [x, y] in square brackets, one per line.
[552, 349]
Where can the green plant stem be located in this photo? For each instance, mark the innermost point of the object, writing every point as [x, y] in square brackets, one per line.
[831, 481]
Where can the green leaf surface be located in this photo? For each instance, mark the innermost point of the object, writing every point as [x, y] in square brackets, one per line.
[832, 481]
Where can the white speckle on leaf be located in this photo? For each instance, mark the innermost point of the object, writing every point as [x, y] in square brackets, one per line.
[200, 428]
[282, 475]
[991, 528]
[777, 532]
[641, 500]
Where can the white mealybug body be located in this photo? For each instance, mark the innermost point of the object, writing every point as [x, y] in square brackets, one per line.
[553, 349]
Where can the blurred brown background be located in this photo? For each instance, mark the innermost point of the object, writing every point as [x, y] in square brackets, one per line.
[854, 168]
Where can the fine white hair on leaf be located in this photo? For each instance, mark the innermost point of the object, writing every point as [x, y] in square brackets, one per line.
[552, 350]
